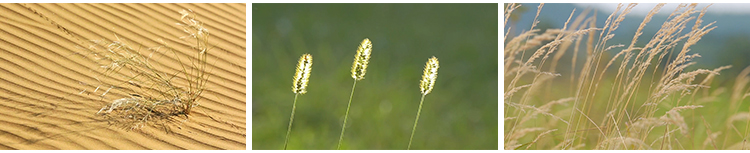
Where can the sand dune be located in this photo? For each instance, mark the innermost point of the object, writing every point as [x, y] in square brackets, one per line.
[48, 80]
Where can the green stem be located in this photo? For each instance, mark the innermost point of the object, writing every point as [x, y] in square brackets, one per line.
[343, 128]
[415, 122]
[291, 120]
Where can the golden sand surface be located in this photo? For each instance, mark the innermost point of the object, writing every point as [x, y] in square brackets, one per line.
[48, 78]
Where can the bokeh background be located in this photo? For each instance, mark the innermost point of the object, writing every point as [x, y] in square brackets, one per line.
[460, 113]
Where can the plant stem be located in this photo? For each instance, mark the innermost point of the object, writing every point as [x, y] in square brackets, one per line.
[291, 119]
[415, 122]
[343, 128]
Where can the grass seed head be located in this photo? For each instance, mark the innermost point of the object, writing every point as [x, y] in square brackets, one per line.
[429, 76]
[359, 68]
[302, 75]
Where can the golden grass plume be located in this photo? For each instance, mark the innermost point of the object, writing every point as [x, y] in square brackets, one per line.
[359, 67]
[429, 76]
[302, 76]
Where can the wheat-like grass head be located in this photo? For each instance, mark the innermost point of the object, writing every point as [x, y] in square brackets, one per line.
[429, 76]
[359, 68]
[302, 75]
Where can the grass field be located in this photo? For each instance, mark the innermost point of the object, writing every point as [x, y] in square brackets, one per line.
[571, 87]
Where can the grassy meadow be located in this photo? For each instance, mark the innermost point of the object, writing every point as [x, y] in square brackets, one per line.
[577, 86]
[459, 113]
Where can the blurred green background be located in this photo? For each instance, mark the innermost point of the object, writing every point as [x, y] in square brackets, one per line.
[460, 113]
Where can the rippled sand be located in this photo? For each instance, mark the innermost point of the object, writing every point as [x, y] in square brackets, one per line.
[48, 95]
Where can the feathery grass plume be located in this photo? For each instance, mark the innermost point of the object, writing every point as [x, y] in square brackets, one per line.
[299, 86]
[743, 116]
[671, 117]
[426, 84]
[429, 76]
[711, 139]
[154, 97]
[739, 88]
[302, 75]
[359, 68]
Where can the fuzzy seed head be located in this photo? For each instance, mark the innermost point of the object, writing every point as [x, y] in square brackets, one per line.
[302, 75]
[429, 76]
[359, 68]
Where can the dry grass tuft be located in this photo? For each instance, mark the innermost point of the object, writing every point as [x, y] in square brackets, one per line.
[155, 97]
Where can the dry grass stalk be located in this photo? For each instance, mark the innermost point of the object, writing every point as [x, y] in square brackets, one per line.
[538, 39]
[742, 145]
[544, 109]
[709, 79]
[739, 87]
[743, 116]
[666, 140]
[568, 142]
[510, 118]
[579, 24]
[514, 90]
[513, 139]
[648, 123]
[675, 118]
[509, 10]
[711, 139]
[539, 137]
[672, 117]
[620, 143]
